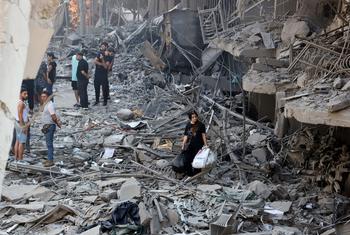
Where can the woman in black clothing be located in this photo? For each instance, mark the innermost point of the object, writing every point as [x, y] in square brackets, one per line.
[193, 141]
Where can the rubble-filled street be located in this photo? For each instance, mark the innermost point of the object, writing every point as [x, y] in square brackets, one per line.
[269, 81]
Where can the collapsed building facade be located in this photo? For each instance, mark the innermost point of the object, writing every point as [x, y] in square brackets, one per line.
[270, 79]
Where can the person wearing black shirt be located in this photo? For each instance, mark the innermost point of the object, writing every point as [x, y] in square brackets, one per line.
[83, 80]
[51, 72]
[193, 141]
[101, 78]
[109, 61]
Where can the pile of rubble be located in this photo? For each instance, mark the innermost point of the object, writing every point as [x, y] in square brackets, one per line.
[113, 164]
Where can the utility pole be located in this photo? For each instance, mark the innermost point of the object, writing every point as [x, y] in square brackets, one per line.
[82, 14]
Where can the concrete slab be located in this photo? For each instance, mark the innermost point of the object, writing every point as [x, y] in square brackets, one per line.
[130, 189]
[267, 82]
[313, 110]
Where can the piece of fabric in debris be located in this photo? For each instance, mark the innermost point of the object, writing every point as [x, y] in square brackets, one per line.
[126, 213]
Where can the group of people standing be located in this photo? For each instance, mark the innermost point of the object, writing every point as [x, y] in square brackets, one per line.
[32, 92]
[40, 91]
[80, 76]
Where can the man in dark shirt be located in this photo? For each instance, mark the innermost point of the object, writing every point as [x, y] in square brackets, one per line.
[51, 72]
[83, 80]
[101, 78]
[40, 81]
[109, 61]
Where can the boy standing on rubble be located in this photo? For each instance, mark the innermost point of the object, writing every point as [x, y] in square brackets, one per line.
[21, 124]
[49, 120]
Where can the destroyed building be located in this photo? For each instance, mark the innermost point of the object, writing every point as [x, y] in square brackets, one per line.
[269, 79]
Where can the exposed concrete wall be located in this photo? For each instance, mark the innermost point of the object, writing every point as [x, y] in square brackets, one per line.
[25, 27]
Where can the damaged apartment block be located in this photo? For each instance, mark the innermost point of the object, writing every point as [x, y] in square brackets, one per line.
[269, 81]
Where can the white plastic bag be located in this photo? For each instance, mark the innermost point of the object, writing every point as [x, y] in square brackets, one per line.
[204, 158]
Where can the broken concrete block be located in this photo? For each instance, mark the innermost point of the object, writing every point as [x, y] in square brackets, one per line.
[145, 216]
[273, 62]
[93, 231]
[108, 195]
[172, 216]
[73, 39]
[302, 80]
[162, 163]
[113, 140]
[257, 52]
[293, 28]
[261, 67]
[339, 102]
[254, 39]
[283, 206]
[15, 192]
[125, 114]
[346, 87]
[197, 222]
[279, 230]
[256, 139]
[157, 79]
[90, 199]
[129, 190]
[208, 187]
[267, 39]
[260, 155]
[338, 83]
[259, 189]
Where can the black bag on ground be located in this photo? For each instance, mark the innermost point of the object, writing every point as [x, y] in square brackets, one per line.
[178, 163]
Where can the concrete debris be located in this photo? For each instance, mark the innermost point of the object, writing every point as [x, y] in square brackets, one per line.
[338, 83]
[256, 139]
[108, 155]
[293, 29]
[129, 190]
[260, 189]
[260, 155]
[339, 103]
[346, 87]
[208, 188]
[113, 140]
[125, 114]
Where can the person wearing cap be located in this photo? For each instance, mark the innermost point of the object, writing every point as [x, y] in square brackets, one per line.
[51, 72]
[101, 77]
[83, 79]
[22, 124]
[75, 63]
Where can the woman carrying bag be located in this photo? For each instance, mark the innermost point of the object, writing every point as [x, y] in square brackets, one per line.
[194, 140]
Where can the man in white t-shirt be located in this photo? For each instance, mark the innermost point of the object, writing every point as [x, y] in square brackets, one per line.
[49, 120]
